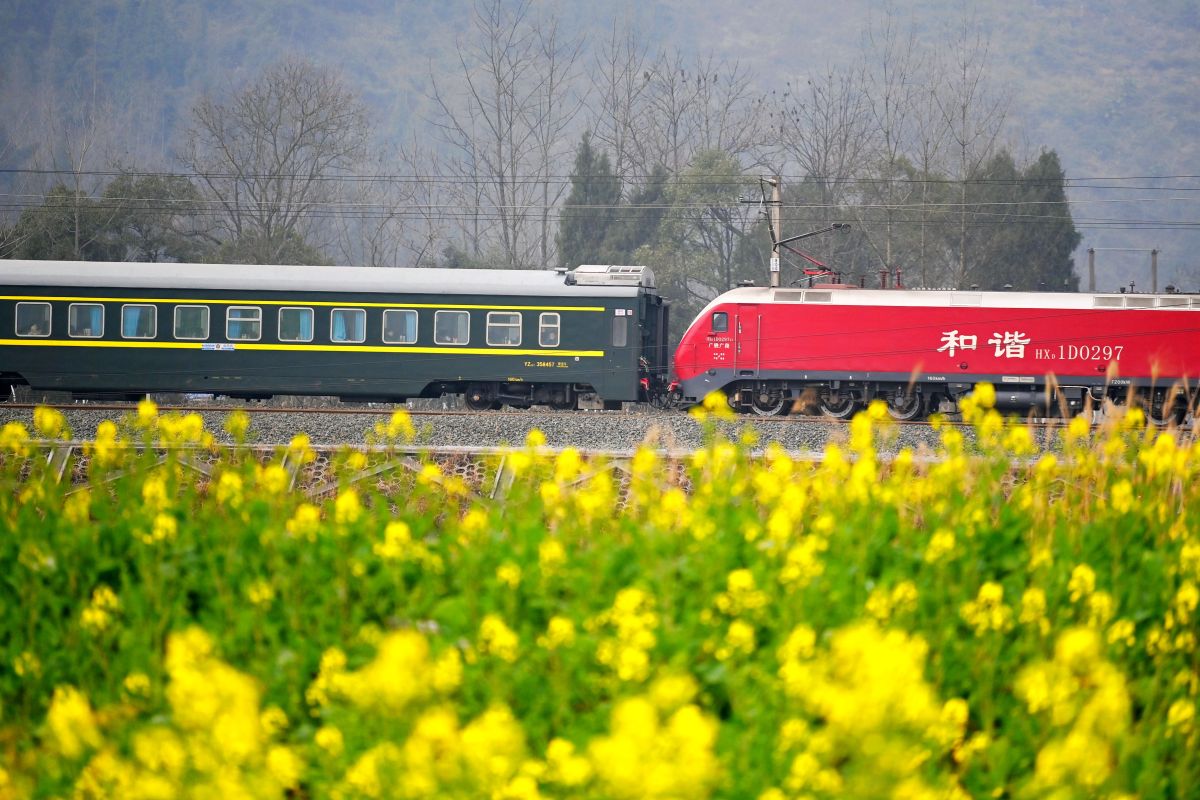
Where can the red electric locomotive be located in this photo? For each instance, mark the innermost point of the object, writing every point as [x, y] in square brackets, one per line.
[921, 351]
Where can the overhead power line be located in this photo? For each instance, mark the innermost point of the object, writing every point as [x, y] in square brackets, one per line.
[693, 179]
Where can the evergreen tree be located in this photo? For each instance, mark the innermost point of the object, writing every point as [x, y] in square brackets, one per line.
[590, 208]
[636, 223]
[1051, 242]
[69, 226]
[157, 218]
[1022, 234]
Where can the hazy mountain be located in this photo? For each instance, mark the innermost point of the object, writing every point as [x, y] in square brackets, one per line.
[1112, 85]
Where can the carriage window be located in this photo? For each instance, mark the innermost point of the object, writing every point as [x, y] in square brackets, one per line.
[139, 322]
[348, 325]
[33, 319]
[295, 324]
[243, 323]
[85, 320]
[503, 328]
[451, 327]
[191, 322]
[720, 321]
[620, 331]
[399, 326]
[548, 325]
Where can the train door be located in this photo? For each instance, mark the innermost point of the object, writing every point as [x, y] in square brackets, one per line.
[747, 340]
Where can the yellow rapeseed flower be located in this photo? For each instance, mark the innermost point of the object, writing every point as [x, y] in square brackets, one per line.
[552, 556]
[72, 725]
[14, 438]
[400, 426]
[987, 612]
[564, 766]
[49, 423]
[496, 638]
[1033, 610]
[560, 633]
[329, 739]
[147, 413]
[1082, 583]
[229, 490]
[1121, 497]
[136, 684]
[260, 593]
[509, 574]
[77, 508]
[300, 450]
[1181, 717]
[347, 508]
[305, 522]
[154, 493]
[940, 547]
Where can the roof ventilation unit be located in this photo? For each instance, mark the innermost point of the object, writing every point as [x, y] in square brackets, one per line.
[613, 275]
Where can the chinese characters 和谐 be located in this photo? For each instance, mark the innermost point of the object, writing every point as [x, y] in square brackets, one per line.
[1009, 344]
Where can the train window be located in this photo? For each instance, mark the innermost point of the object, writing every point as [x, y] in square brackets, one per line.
[191, 322]
[720, 321]
[348, 325]
[295, 324]
[548, 329]
[139, 321]
[85, 320]
[33, 319]
[504, 328]
[243, 323]
[451, 327]
[620, 331]
[399, 326]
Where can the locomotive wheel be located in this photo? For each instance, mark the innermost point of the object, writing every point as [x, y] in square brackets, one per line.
[570, 404]
[904, 407]
[1163, 409]
[767, 403]
[837, 406]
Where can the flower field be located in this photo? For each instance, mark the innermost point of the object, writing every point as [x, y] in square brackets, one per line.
[980, 621]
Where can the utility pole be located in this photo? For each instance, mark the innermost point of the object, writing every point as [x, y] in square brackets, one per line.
[776, 219]
[1091, 269]
[1154, 270]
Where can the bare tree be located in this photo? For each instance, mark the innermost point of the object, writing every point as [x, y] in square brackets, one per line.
[507, 118]
[388, 221]
[555, 107]
[825, 131]
[730, 114]
[483, 118]
[619, 80]
[891, 89]
[270, 158]
[665, 133]
[974, 116]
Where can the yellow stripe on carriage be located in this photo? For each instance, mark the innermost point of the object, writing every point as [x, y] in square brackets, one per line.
[225, 347]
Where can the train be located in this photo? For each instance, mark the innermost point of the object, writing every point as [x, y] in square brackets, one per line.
[495, 337]
[836, 347]
[597, 332]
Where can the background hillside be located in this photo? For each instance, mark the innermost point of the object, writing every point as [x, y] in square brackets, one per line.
[1113, 86]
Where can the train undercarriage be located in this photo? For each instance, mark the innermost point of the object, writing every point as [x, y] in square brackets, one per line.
[917, 400]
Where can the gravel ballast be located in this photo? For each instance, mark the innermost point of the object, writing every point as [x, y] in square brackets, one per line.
[608, 431]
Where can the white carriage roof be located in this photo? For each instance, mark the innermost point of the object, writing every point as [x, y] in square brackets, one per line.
[957, 299]
[237, 277]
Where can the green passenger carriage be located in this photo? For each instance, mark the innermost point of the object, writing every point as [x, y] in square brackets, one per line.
[495, 336]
